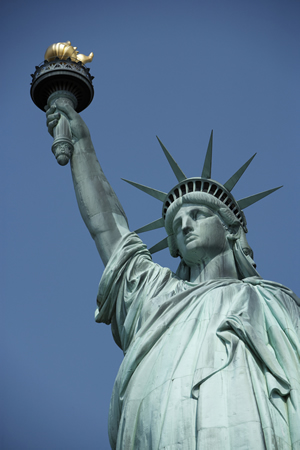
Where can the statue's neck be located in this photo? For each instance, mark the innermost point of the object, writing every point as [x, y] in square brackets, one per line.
[221, 266]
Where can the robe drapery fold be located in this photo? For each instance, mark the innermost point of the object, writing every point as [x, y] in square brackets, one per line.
[208, 366]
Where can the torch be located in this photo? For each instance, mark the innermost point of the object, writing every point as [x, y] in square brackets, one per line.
[62, 75]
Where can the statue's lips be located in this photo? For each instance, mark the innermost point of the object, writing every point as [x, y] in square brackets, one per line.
[190, 237]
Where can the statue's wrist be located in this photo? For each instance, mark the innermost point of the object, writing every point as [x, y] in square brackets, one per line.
[83, 145]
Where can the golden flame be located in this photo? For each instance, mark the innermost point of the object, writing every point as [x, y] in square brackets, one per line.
[64, 50]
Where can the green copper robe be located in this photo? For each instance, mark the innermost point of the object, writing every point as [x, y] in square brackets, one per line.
[213, 366]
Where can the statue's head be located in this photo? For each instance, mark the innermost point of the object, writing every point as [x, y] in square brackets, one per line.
[192, 210]
[201, 227]
[221, 221]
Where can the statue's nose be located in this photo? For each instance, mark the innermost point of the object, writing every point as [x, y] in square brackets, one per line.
[187, 225]
[186, 229]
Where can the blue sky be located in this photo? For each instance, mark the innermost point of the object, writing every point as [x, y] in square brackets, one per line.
[176, 69]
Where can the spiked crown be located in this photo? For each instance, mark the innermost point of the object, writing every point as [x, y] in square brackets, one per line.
[203, 184]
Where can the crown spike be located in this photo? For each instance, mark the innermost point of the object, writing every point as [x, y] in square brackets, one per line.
[248, 201]
[206, 172]
[174, 166]
[159, 223]
[159, 246]
[229, 185]
[150, 191]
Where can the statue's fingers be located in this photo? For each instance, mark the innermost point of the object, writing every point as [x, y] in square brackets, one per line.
[50, 110]
[52, 117]
[51, 125]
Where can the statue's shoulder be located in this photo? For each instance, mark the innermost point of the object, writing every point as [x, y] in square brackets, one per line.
[273, 286]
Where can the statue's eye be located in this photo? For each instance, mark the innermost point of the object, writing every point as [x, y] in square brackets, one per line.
[198, 215]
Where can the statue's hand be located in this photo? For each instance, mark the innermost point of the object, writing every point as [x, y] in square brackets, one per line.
[78, 127]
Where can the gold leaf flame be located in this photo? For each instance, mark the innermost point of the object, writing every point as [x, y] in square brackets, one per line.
[64, 50]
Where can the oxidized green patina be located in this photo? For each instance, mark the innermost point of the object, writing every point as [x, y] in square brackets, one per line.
[211, 353]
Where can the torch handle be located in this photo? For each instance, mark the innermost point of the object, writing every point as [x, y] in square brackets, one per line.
[62, 146]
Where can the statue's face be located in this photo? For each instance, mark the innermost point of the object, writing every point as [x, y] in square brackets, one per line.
[199, 233]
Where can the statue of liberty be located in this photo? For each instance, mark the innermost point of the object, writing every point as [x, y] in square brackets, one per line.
[211, 353]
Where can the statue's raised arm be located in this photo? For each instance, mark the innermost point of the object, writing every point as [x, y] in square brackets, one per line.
[98, 203]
